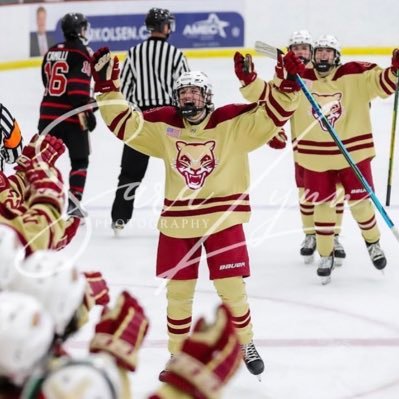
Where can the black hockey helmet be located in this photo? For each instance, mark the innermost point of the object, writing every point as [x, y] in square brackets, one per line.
[157, 18]
[72, 25]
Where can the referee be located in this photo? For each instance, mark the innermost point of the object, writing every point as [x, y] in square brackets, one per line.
[148, 75]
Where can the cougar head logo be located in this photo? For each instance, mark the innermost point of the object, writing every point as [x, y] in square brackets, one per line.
[195, 162]
[331, 107]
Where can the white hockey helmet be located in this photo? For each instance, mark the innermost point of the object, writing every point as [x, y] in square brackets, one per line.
[55, 282]
[26, 335]
[300, 37]
[196, 79]
[11, 254]
[328, 41]
[331, 42]
[94, 377]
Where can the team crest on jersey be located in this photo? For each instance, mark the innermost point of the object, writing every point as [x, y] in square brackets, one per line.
[195, 162]
[331, 107]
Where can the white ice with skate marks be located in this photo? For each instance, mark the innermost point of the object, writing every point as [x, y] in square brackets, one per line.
[339, 341]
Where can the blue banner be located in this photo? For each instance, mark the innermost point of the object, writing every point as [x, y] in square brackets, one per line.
[193, 30]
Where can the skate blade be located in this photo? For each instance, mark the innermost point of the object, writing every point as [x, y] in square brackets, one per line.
[325, 280]
[338, 262]
[308, 259]
[259, 377]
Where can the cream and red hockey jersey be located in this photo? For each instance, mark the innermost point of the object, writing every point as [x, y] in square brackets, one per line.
[344, 96]
[207, 171]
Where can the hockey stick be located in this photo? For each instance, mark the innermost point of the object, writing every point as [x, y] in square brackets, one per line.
[392, 147]
[273, 53]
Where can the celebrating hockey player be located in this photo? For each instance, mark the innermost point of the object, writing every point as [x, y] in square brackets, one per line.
[344, 93]
[205, 152]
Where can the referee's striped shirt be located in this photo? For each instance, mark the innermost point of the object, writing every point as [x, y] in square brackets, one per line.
[149, 72]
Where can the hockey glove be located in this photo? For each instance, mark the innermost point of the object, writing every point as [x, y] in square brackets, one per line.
[45, 187]
[87, 120]
[287, 67]
[208, 358]
[279, 141]
[244, 68]
[395, 60]
[121, 331]
[97, 290]
[41, 149]
[71, 228]
[105, 70]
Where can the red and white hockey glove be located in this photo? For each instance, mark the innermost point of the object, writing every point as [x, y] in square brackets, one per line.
[45, 187]
[72, 225]
[395, 60]
[208, 358]
[97, 291]
[41, 149]
[121, 331]
[279, 141]
[287, 67]
[244, 68]
[105, 70]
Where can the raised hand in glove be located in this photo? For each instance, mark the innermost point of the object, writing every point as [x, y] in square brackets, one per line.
[279, 141]
[45, 187]
[97, 291]
[208, 358]
[244, 68]
[395, 60]
[41, 149]
[105, 70]
[288, 66]
[121, 331]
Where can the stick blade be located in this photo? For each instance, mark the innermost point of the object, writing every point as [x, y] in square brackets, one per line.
[267, 49]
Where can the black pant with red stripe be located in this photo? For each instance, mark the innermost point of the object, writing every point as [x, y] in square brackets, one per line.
[78, 144]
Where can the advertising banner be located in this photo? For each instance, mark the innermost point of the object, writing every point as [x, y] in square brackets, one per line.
[119, 31]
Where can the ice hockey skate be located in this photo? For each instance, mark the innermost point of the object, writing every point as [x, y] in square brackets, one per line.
[339, 252]
[377, 255]
[252, 360]
[325, 267]
[164, 372]
[76, 211]
[308, 247]
[117, 227]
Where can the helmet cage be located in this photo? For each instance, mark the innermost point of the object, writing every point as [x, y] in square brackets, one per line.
[194, 79]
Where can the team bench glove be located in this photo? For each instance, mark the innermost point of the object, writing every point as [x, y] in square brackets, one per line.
[45, 187]
[105, 70]
[279, 141]
[121, 331]
[395, 60]
[97, 291]
[288, 66]
[208, 358]
[41, 149]
[244, 68]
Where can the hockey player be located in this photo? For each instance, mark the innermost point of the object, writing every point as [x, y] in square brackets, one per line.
[11, 142]
[301, 44]
[66, 106]
[32, 200]
[147, 80]
[205, 153]
[65, 293]
[26, 335]
[333, 85]
[114, 349]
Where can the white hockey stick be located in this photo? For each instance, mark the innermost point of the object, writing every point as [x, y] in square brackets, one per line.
[267, 49]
